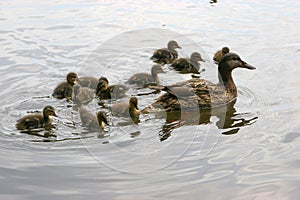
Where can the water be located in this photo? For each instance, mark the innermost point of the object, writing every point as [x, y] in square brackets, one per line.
[42, 41]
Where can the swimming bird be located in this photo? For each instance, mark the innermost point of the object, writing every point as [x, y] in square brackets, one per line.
[219, 54]
[82, 95]
[93, 122]
[88, 81]
[106, 91]
[188, 65]
[129, 110]
[199, 93]
[39, 120]
[145, 79]
[65, 89]
[166, 55]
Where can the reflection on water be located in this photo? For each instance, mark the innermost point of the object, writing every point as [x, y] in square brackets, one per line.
[227, 119]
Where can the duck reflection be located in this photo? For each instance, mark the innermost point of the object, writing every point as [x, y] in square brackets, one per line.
[229, 121]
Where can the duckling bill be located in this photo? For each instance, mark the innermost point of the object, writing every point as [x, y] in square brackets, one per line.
[33, 121]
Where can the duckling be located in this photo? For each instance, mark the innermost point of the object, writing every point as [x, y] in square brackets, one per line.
[145, 79]
[88, 81]
[32, 121]
[166, 55]
[129, 109]
[104, 91]
[65, 89]
[82, 95]
[188, 65]
[219, 54]
[92, 122]
[200, 93]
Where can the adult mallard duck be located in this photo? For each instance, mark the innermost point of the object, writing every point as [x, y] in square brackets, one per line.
[129, 110]
[144, 79]
[219, 54]
[166, 55]
[65, 89]
[82, 95]
[92, 122]
[105, 91]
[199, 93]
[88, 81]
[39, 120]
[188, 65]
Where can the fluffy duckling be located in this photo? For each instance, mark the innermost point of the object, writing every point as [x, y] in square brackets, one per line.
[65, 89]
[145, 79]
[82, 95]
[92, 122]
[129, 109]
[88, 81]
[166, 55]
[40, 120]
[219, 54]
[200, 93]
[104, 91]
[188, 65]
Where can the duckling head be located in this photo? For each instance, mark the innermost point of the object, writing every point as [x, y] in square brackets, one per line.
[71, 78]
[156, 69]
[104, 79]
[225, 50]
[101, 86]
[102, 119]
[195, 56]
[49, 111]
[133, 102]
[172, 45]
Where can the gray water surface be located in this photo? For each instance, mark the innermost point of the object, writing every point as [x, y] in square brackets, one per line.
[212, 155]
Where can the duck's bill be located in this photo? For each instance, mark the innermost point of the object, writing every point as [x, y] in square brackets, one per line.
[247, 66]
[179, 47]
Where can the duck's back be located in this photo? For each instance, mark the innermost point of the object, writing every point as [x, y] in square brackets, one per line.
[141, 79]
[205, 94]
[63, 90]
[88, 120]
[31, 121]
[88, 81]
[164, 56]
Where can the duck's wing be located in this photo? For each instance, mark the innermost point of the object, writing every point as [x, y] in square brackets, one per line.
[88, 120]
[88, 81]
[191, 94]
[118, 91]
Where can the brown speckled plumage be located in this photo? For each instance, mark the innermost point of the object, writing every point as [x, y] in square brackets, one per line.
[201, 93]
[39, 120]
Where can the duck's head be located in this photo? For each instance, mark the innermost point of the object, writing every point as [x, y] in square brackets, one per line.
[195, 56]
[156, 69]
[173, 45]
[101, 86]
[71, 78]
[133, 102]
[49, 111]
[225, 50]
[229, 62]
